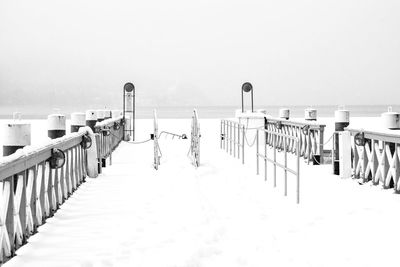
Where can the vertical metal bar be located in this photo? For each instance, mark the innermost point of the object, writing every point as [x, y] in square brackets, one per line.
[257, 152]
[221, 134]
[243, 133]
[230, 138]
[285, 170]
[234, 140]
[321, 145]
[298, 172]
[274, 160]
[265, 156]
[227, 136]
[252, 106]
[238, 141]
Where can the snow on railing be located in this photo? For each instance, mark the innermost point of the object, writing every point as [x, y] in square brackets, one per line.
[376, 157]
[194, 151]
[35, 181]
[109, 134]
[232, 138]
[310, 135]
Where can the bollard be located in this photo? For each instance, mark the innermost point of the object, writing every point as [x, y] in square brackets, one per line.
[116, 113]
[310, 114]
[56, 125]
[284, 113]
[78, 120]
[342, 120]
[107, 114]
[100, 115]
[391, 119]
[15, 136]
[91, 118]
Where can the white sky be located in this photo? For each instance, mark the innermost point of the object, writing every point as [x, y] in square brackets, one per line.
[182, 52]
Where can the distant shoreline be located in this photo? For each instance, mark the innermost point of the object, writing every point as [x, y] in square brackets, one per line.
[204, 112]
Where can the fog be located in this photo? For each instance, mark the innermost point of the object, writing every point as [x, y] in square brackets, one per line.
[182, 53]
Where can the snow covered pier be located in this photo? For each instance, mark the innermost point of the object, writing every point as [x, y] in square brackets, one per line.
[219, 214]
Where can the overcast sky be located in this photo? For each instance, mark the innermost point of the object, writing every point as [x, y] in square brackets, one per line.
[181, 52]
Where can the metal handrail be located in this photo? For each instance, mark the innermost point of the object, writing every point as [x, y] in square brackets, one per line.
[274, 161]
[194, 150]
[232, 138]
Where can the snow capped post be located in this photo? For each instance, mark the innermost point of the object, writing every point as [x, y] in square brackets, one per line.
[107, 114]
[91, 118]
[78, 120]
[310, 114]
[341, 151]
[16, 135]
[391, 119]
[284, 113]
[56, 125]
[116, 113]
[100, 115]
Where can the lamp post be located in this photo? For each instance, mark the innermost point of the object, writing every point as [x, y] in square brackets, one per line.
[247, 87]
[129, 107]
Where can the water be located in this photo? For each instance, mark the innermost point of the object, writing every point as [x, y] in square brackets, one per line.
[35, 112]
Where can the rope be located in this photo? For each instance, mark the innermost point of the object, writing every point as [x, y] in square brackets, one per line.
[133, 143]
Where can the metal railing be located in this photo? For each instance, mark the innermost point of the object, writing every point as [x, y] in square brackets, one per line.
[194, 150]
[232, 138]
[279, 142]
[156, 147]
[376, 156]
[309, 134]
[109, 133]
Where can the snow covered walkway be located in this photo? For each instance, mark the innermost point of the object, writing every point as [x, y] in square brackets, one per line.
[220, 214]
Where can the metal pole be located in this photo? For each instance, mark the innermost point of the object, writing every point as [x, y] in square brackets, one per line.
[298, 172]
[285, 152]
[230, 138]
[274, 160]
[242, 102]
[133, 114]
[238, 141]
[252, 109]
[220, 130]
[265, 158]
[234, 140]
[243, 133]
[258, 171]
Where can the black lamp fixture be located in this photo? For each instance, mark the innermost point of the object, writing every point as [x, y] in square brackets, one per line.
[247, 87]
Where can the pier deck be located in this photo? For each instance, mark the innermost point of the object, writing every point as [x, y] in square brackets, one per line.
[220, 214]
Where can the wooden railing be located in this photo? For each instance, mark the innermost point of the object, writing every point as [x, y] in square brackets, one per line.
[33, 185]
[109, 133]
[376, 157]
[309, 134]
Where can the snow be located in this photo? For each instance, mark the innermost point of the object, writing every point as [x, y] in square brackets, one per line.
[220, 214]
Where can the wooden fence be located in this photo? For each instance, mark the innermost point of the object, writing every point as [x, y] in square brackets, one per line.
[32, 188]
[376, 157]
[310, 136]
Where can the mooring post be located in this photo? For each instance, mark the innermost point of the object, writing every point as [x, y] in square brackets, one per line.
[91, 118]
[78, 120]
[16, 135]
[56, 125]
